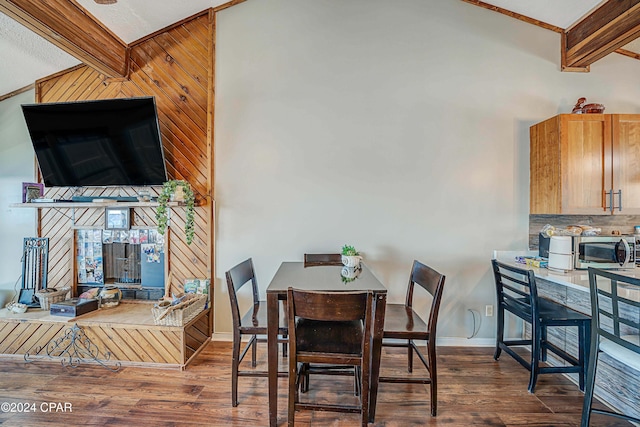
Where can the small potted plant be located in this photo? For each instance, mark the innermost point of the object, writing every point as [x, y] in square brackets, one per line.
[169, 189]
[350, 257]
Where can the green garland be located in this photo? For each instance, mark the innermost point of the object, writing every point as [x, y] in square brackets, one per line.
[168, 188]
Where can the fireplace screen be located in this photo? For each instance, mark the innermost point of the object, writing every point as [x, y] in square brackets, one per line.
[122, 263]
[121, 258]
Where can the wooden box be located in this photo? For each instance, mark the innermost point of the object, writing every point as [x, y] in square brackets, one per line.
[74, 307]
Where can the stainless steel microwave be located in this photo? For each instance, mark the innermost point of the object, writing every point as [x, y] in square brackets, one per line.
[610, 252]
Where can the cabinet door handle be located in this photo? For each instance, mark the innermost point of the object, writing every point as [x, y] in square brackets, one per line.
[620, 200]
[610, 194]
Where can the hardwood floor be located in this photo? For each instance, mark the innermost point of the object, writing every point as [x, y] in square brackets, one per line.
[473, 389]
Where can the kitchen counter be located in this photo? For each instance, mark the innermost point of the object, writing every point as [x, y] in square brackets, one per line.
[575, 279]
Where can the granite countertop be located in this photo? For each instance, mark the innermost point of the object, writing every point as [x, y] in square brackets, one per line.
[577, 279]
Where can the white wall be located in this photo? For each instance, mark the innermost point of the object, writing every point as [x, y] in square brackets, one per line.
[398, 127]
[17, 165]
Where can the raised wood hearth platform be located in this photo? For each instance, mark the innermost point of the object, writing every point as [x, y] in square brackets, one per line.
[126, 331]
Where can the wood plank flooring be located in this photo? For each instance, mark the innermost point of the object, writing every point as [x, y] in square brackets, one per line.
[473, 390]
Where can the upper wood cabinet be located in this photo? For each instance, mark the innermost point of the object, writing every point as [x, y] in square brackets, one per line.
[586, 164]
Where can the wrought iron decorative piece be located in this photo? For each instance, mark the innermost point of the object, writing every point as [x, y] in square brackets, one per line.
[35, 258]
[74, 348]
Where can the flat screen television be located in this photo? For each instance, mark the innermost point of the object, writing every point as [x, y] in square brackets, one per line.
[111, 142]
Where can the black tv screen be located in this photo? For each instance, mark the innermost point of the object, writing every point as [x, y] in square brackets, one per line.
[111, 142]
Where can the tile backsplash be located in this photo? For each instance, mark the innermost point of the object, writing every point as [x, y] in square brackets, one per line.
[608, 223]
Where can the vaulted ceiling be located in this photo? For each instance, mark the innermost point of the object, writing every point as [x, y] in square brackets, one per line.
[29, 55]
[41, 38]
[602, 27]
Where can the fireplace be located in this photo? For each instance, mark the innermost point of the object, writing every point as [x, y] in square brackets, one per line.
[132, 260]
[121, 264]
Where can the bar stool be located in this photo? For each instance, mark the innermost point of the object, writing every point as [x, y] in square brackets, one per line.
[615, 315]
[253, 323]
[517, 293]
[319, 260]
[403, 327]
[332, 328]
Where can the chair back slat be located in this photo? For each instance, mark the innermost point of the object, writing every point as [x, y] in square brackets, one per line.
[432, 282]
[241, 274]
[313, 260]
[615, 306]
[237, 277]
[328, 306]
[515, 288]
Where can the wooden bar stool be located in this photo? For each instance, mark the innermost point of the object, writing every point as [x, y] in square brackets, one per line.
[253, 323]
[615, 330]
[319, 260]
[403, 327]
[332, 328]
[517, 294]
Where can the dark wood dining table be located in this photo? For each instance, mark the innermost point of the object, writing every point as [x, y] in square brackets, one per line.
[321, 278]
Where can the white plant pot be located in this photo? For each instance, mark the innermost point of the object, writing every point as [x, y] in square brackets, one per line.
[351, 261]
[178, 194]
[350, 272]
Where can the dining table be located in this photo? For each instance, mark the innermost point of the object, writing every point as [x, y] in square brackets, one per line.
[328, 278]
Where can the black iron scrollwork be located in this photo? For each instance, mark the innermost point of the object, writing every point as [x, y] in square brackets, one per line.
[74, 348]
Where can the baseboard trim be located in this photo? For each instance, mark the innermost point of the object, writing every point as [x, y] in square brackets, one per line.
[465, 342]
[222, 336]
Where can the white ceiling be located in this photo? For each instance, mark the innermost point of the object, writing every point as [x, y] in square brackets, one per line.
[131, 20]
[28, 57]
[561, 13]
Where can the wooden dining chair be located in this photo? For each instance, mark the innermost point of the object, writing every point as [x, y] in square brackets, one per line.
[312, 260]
[403, 327]
[517, 294]
[317, 260]
[615, 331]
[329, 328]
[253, 323]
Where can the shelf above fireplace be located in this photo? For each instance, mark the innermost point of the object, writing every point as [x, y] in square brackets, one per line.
[84, 205]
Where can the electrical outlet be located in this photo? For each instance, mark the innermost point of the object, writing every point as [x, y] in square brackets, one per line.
[488, 310]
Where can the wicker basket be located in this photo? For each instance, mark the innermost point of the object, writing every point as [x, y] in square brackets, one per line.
[180, 314]
[52, 296]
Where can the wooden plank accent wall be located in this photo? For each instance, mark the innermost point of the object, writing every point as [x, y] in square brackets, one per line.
[175, 66]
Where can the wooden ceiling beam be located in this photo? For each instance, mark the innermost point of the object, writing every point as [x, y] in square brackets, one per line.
[605, 30]
[612, 13]
[70, 27]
